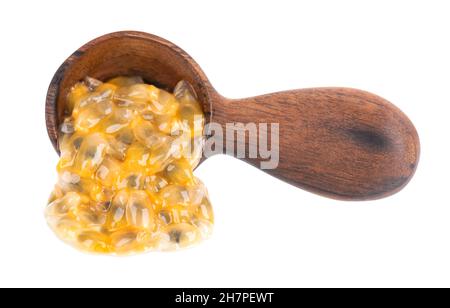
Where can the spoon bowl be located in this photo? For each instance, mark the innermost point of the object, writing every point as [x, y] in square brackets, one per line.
[128, 53]
[342, 143]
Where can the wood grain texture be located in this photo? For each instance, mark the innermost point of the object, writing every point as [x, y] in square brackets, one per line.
[158, 61]
[341, 143]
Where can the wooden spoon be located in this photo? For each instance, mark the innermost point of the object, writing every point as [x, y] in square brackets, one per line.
[338, 142]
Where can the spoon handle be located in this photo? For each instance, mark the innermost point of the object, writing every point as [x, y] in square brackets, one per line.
[342, 143]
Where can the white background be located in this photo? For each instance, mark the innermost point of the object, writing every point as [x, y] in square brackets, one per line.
[267, 234]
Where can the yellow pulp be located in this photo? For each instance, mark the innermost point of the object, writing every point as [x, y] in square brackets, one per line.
[125, 182]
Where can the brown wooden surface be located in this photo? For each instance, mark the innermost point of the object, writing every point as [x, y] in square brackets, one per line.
[338, 142]
[341, 143]
[124, 53]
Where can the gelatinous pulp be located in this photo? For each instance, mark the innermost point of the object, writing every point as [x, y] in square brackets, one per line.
[125, 185]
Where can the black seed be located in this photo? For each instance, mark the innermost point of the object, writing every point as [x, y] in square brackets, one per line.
[67, 128]
[92, 83]
[77, 187]
[77, 142]
[175, 236]
[90, 153]
[138, 205]
[105, 206]
[165, 217]
[126, 138]
[133, 181]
